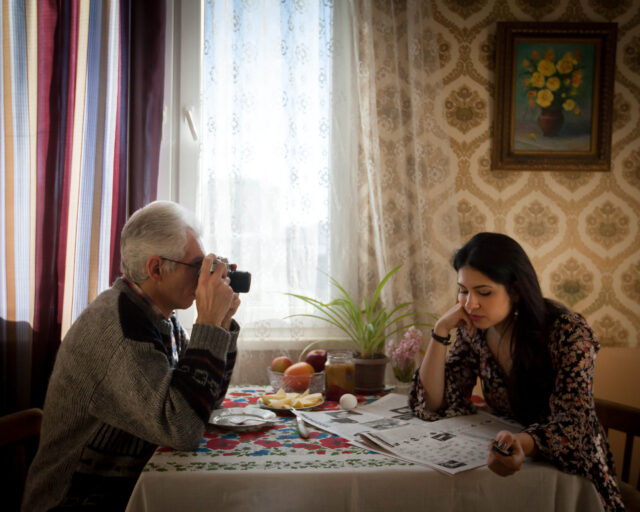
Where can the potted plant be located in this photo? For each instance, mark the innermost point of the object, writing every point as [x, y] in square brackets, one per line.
[367, 327]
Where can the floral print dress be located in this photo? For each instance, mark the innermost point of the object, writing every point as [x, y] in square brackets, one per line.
[571, 437]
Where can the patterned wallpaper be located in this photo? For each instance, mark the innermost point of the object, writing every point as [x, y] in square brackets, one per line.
[581, 229]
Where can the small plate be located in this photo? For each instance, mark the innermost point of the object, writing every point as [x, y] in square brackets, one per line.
[241, 418]
[275, 409]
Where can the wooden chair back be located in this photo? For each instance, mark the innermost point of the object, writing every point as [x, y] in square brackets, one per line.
[19, 437]
[624, 419]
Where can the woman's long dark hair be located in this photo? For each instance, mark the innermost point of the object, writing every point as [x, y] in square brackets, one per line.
[532, 376]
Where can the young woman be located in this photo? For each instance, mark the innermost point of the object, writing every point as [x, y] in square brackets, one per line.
[535, 360]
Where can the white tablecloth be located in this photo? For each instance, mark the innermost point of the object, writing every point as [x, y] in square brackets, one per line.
[275, 470]
[537, 487]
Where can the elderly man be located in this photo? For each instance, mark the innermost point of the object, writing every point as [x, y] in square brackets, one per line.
[126, 379]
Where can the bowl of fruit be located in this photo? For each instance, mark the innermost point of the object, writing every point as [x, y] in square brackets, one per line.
[297, 377]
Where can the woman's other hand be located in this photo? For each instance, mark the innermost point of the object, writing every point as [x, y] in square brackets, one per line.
[519, 446]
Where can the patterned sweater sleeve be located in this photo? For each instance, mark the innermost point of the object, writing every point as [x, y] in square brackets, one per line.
[460, 375]
[229, 364]
[142, 393]
[198, 360]
[183, 343]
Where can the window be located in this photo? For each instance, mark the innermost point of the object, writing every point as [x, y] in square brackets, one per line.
[265, 159]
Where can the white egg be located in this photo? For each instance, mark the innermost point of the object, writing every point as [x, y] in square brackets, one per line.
[348, 401]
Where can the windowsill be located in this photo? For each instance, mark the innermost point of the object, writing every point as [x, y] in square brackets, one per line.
[289, 343]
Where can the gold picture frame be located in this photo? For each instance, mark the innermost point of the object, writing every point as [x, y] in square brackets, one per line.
[553, 96]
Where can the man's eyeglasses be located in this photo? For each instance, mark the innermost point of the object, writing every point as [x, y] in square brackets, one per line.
[196, 266]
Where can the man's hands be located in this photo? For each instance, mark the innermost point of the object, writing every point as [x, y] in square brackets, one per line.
[235, 303]
[215, 300]
[520, 446]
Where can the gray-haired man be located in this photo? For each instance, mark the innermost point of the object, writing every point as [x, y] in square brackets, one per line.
[126, 379]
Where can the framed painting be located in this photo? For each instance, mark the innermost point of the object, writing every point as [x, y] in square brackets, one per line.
[553, 96]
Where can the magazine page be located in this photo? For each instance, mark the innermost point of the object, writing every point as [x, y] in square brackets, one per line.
[389, 412]
[387, 425]
[451, 445]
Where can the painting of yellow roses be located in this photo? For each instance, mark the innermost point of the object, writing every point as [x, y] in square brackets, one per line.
[554, 97]
[554, 92]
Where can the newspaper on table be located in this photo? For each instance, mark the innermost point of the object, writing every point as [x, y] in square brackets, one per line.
[388, 426]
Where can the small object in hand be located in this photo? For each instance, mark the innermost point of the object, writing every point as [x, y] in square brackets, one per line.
[348, 401]
[501, 449]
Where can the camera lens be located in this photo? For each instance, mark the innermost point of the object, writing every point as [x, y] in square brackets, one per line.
[240, 281]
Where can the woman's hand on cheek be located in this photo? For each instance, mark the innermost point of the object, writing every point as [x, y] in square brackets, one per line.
[455, 317]
[506, 465]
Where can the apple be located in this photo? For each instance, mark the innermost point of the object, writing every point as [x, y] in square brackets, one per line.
[316, 358]
[280, 364]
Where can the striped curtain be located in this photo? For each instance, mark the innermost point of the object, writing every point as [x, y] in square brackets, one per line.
[64, 174]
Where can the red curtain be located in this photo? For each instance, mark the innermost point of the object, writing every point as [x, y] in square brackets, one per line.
[76, 104]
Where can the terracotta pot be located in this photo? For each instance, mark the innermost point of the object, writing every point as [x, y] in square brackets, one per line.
[550, 121]
[369, 374]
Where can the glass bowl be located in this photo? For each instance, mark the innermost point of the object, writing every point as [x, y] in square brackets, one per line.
[296, 383]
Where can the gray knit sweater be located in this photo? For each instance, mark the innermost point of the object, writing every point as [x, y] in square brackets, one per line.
[116, 393]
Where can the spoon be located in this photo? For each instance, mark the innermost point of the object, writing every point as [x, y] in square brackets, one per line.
[244, 420]
[302, 428]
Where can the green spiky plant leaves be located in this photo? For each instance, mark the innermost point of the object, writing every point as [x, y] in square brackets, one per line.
[368, 326]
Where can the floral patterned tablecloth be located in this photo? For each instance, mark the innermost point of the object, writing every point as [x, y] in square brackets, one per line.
[274, 470]
[274, 448]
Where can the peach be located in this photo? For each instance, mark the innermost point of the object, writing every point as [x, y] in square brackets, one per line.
[298, 376]
[280, 364]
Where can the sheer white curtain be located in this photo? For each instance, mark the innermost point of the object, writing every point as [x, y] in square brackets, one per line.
[277, 181]
[406, 183]
[324, 149]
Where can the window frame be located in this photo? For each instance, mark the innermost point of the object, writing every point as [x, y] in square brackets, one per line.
[181, 143]
[180, 147]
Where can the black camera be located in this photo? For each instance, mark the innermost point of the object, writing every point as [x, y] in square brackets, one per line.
[240, 280]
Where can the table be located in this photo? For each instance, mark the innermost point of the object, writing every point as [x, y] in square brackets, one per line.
[273, 469]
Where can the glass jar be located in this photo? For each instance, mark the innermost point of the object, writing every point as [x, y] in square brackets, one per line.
[339, 371]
